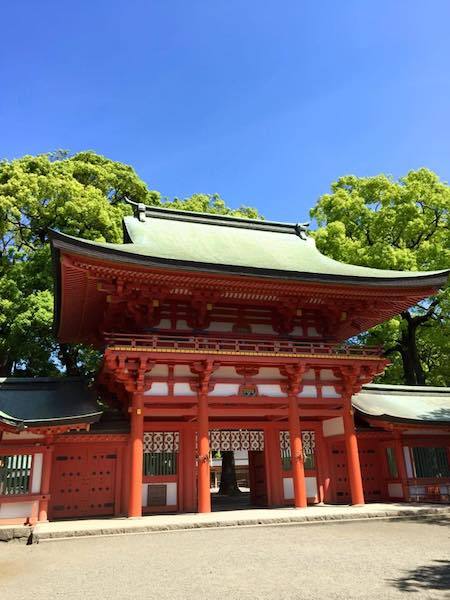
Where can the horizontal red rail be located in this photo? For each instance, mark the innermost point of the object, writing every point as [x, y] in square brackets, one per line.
[205, 344]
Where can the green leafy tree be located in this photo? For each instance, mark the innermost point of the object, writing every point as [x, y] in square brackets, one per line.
[81, 195]
[396, 224]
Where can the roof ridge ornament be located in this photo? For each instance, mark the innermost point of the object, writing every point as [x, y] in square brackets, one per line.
[140, 209]
[302, 230]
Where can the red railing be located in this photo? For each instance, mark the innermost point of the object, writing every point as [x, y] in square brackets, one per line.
[207, 344]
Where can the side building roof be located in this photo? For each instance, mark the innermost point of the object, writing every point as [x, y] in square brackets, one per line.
[404, 404]
[45, 402]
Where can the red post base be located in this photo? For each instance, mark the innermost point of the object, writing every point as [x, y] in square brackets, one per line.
[353, 464]
[203, 467]
[136, 457]
[298, 469]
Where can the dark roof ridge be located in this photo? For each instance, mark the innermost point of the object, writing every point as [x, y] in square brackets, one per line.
[143, 211]
[405, 389]
[56, 379]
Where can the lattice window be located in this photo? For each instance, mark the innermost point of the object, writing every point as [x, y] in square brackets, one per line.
[392, 463]
[161, 441]
[240, 439]
[431, 462]
[308, 445]
[160, 463]
[15, 474]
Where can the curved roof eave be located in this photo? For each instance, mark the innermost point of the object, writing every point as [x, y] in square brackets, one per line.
[121, 253]
[404, 404]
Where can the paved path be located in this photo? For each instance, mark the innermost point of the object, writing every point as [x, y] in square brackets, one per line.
[359, 559]
[227, 518]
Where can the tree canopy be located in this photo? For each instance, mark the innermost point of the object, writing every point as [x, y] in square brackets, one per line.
[372, 221]
[396, 224]
[81, 195]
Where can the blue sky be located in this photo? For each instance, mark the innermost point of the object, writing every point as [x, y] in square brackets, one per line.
[264, 102]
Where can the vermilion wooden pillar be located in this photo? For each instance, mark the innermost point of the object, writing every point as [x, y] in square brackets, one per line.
[189, 470]
[45, 481]
[136, 456]
[353, 465]
[273, 466]
[298, 468]
[203, 469]
[401, 468]
[323, 467]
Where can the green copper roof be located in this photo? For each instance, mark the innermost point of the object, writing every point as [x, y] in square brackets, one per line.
[243, 246]
[414, 404]
[44, 401]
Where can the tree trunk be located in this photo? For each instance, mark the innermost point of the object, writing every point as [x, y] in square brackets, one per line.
[68, 357]
[228, 483]
[412, 366]
[6, 365]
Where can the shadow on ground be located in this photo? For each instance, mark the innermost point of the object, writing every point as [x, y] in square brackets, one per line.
[428, 577]
[436, 519]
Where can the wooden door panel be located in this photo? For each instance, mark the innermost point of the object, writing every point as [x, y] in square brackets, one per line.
[83, 481]
[370, 472]
[257, 476]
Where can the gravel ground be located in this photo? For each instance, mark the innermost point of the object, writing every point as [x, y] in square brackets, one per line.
[365, 559]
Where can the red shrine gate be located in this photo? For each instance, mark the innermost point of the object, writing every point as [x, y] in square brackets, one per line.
[213, 328]
[206, 398]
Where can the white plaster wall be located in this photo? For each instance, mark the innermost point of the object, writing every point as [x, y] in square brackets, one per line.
[312, 332]
[159, 388]
[288, 487]
[408, 463]
[228, 372]
[327, 374]
[417, 490]
[182, 371]
[334, 426]
[183, 389]
[298, 330]
[182, 325]
[309, 375]
[159, 371]
[171, 491]
[225, 389]
[164, 324]
[262, 328]
[220, 326]
[271, 390]
[268, 373]
[308, 391]
[395, 490]
[36, 474]
[328, 391]
[16, 510]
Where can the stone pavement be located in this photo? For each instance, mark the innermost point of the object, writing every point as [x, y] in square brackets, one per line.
[231, 518]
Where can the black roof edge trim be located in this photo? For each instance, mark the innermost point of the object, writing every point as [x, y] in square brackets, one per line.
[23, 424]
[35, 381]
[385, 417]
[56, 267]
[433, 280]
[401, 389]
